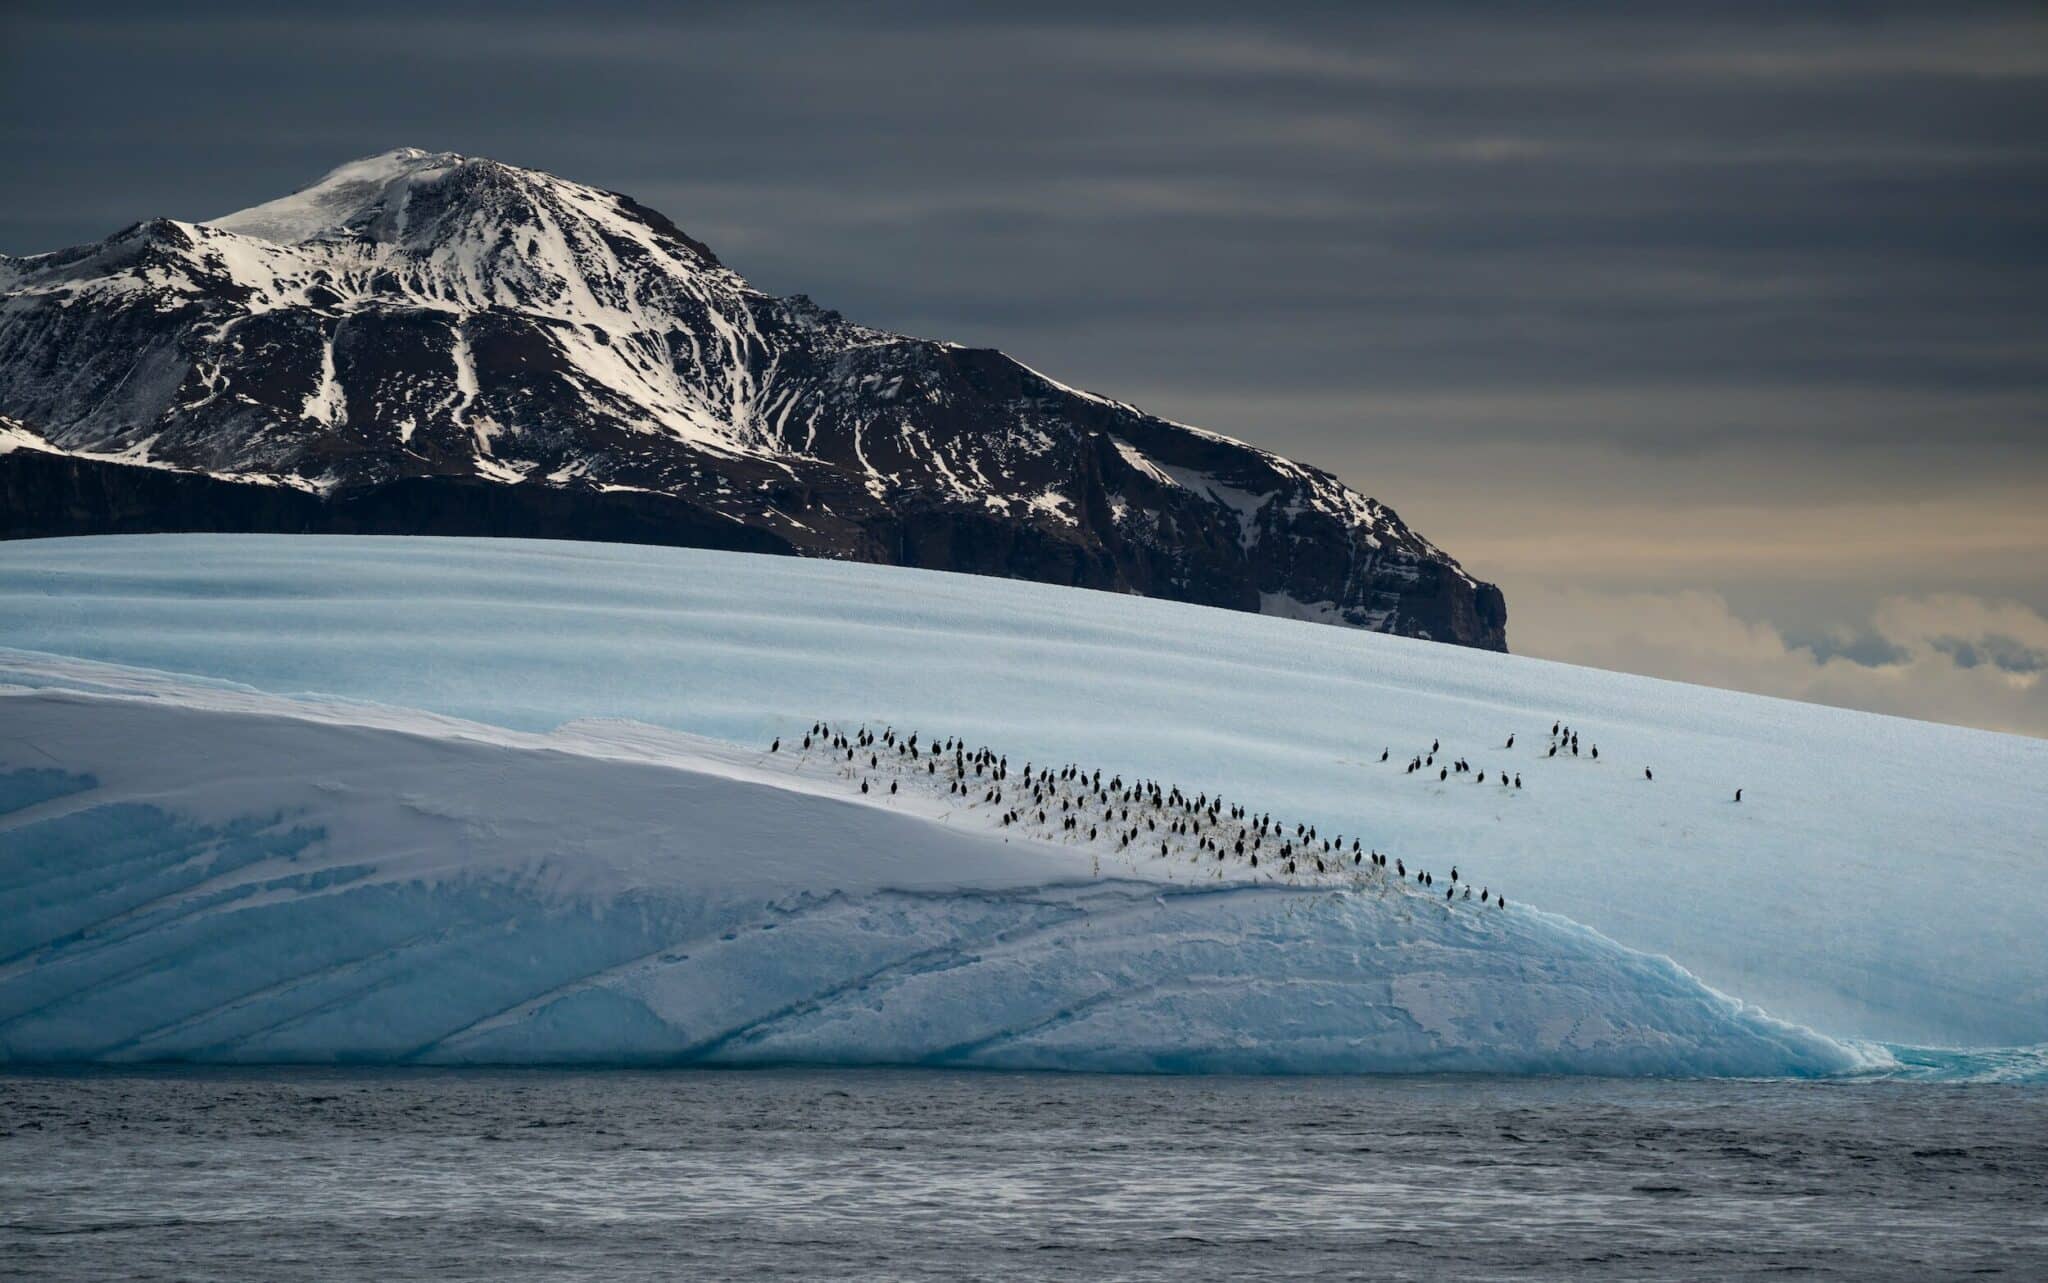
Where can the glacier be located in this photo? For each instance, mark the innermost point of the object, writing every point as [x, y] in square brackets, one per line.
[1879, 883]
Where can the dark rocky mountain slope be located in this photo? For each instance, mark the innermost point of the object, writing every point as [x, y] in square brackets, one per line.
[431, 343]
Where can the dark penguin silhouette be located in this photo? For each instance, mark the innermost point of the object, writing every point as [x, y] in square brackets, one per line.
[1518, 779]
[1511, 741]
[1443, 775]
[1738, 795]
[1383, 754]
[776, 747]
[1647, 775]
[863, 786]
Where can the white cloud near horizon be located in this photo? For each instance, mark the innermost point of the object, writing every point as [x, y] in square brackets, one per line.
[1950, 657]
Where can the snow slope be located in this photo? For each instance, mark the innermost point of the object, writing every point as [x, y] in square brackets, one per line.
[1881, 880]
[199, 873]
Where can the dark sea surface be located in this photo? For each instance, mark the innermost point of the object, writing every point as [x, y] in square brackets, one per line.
[512, 1175]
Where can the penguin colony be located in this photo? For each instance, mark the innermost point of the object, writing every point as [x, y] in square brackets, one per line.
[1145, 819]
[1141, 818]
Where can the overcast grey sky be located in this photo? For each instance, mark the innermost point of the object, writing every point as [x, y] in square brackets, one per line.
[1715, 335]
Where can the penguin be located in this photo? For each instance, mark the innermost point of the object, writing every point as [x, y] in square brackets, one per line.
[1481, 779]
[1647, 775]
[1553, 751]
[776, 747]
[1443, 775]
[1435, 745]
[892, 788]
[1596, 752]
[1383, 754]
[863, 786]
[1454, 873]
[1451, 894]
[1738, 795]
[1518, 779]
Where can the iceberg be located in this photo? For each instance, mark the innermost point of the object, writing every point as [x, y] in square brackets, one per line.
[1879, 882]
[198, 872]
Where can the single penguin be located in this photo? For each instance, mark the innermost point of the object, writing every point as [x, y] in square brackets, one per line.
[1647, 775]
[1738, 795]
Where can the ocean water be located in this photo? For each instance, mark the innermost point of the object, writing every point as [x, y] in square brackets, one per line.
[513, 1175]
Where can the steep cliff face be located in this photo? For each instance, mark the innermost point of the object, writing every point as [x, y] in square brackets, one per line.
[436, 342]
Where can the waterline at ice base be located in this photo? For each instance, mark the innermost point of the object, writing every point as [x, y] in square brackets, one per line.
[446, 801]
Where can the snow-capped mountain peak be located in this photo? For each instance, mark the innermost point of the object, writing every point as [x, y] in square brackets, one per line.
[417, 319]
[354, 196]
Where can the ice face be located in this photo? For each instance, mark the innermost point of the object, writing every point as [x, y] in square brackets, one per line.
[243, 878]
[1880, 879]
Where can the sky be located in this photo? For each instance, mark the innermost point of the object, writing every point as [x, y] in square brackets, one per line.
[1717, 336]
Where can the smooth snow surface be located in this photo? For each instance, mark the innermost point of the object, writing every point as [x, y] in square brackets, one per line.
[1882, 879]
[220, 875]
[343, 196]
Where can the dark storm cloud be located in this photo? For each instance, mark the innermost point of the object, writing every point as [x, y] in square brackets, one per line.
[1506, 265]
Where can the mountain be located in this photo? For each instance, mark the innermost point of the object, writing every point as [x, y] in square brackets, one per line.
[432, 343]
